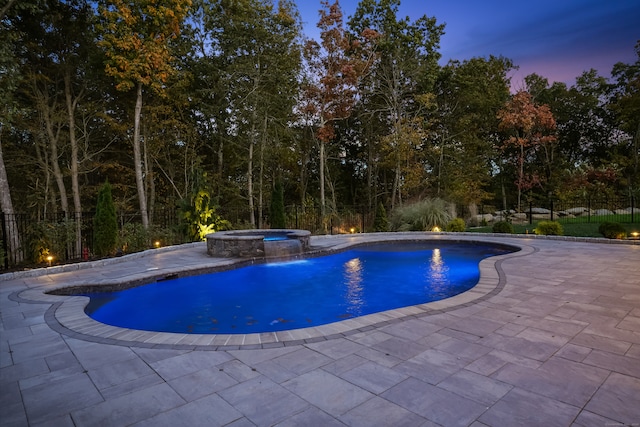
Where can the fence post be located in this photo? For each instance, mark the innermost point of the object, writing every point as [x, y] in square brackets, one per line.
[530, 212]
[633, 207]
[589, 209]
[551, 206]
[5, 241]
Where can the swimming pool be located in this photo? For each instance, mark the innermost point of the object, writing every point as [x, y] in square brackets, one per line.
[298, 294]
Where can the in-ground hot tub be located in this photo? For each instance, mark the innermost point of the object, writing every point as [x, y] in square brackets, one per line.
[273, 243]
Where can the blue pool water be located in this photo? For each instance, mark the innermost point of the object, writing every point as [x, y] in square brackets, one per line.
[297, 294]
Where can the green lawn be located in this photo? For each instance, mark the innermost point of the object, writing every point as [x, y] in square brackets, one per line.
[571, 226]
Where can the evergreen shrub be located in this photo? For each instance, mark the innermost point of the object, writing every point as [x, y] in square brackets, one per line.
[381, 223]
[549, 228]
[456, 225]
[50, 238]
[612, 230]
[133, 238]
[504, 227]
[105, 223]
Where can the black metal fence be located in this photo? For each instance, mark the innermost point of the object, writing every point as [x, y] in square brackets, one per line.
[583, 210]
[56, 237]
[342, 221]
[30, 239]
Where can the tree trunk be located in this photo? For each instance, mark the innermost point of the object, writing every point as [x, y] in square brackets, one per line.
[252, 216]
[440, 165]
[55, 166]
[396, 186]
[520, 176]
[636, 156]
[220, 167]
[149, 181]
[260, 185]
[504, 194]
[371, 193]
[75, 187]
[6, 207]
[322, 198]
[137, 159]
[43, 159]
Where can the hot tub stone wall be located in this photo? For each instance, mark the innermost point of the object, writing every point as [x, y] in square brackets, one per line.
[249, 243]
[242, 248]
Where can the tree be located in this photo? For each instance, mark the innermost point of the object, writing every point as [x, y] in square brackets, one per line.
[136, 40]
[10, 78]
[403, 73]
[105, 223]
[249, 72]
[277, 216]
[330, 91]
[626, 105]
[530, 127]
[380, 222]
[464, 127]
[587, 134]
[59, 42]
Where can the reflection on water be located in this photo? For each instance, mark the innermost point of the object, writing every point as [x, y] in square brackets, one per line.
[437, 274]
[353, 275]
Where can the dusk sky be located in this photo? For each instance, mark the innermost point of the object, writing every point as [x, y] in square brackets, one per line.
[557, 39]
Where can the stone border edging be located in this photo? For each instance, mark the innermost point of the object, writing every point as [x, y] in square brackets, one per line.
[36, 272]
[68, 317]
[43, 271]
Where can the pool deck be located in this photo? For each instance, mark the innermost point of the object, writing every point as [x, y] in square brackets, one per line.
[550, 336]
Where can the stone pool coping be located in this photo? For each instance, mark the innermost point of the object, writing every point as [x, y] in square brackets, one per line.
[66, 314]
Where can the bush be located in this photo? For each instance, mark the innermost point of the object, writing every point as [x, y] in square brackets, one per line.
[381, 223]
[549, 228]
[612, 230]
[503, 227]
[420, 216]
[456, 225]
[105, 223]
[133, 238]
[200, 217]
[50, 238]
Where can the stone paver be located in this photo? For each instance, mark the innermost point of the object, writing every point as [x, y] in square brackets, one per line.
[549, 337]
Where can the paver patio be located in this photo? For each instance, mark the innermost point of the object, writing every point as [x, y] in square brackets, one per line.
[549, 337]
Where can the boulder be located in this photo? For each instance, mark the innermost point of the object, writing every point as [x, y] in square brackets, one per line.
[485, 217]
[628, 211]
[577, 211]
[601, 212]
[541, 216]
[540, 211]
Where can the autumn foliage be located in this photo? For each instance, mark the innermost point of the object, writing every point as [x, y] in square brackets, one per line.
[530, 128]
[135, 40]
[335, 68]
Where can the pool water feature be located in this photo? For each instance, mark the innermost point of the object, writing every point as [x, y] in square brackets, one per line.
[279, 296]
[269, 243]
